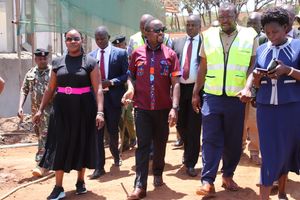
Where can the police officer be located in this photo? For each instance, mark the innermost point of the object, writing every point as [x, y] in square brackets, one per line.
[35, 82]
[119, 41]
[126, 125]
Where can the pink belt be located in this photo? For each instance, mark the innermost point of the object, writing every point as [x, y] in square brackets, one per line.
[70, 90]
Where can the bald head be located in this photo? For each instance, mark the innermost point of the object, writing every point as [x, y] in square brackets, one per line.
[101, 30]
[254, 21]
[143, 20]
[215, 23]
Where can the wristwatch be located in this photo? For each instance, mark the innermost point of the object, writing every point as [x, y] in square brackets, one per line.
[175, 107]
[112, 83]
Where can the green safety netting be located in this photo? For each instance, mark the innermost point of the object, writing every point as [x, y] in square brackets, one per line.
[120, 16]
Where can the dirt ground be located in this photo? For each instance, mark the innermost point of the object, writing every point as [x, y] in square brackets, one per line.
[16, 165]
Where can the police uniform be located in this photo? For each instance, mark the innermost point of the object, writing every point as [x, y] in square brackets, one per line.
[118, 39]
[35, 82]
[126, 123]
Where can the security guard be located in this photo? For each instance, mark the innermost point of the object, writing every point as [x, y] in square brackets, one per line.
[35, 82]
[126, 125]
[120, 41]
[226, 54]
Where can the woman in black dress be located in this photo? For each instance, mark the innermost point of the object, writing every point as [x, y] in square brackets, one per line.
[77, 111]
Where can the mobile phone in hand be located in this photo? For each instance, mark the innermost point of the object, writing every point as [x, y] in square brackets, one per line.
[262, 70]
[272, 65]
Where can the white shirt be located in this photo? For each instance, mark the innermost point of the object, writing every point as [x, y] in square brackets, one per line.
[193, 63]
[106, 58]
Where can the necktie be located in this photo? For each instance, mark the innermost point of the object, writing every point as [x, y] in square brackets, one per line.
[187, 61]
[102, 69]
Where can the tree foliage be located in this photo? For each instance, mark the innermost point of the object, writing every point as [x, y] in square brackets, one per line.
[205, 7]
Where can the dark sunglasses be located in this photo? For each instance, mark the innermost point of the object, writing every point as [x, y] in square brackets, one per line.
[70, 39]
[158, 30]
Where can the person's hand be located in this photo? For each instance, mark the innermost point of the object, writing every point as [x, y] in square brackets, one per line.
[245, 95]
[196, 103]
[127, 98]
[257, 76]
[37, 117]
[280, 70]
[106, 83]
[99, 121]
[172, 119]
[21, 114]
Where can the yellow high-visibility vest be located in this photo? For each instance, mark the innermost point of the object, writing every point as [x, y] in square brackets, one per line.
[234, 70]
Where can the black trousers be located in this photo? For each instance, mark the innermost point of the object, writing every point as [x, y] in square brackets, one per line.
[150, 126]
[100, 149]
[112, 117]
[189, 126]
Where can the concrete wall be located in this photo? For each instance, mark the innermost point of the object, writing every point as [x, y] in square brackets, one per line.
[6, 27]
[12, 70]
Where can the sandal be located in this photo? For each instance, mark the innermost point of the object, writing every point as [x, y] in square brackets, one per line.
[282, 196]
[229, 184]
[206, 190]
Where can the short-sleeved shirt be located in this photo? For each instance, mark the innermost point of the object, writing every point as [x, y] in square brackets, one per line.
[152, 71]
[35, 82]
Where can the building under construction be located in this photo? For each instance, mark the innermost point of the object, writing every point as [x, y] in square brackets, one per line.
[29, 24]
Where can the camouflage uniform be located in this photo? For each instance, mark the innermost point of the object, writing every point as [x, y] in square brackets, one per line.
[35, 82]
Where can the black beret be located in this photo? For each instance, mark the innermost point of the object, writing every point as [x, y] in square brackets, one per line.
[41, 52]
[118, 39]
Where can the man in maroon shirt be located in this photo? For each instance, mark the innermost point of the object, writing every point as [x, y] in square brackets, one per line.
[153, 70]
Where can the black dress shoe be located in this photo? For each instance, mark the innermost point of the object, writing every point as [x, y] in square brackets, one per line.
[97, 173]
[158, 181]
[191, 172]
[137, 193]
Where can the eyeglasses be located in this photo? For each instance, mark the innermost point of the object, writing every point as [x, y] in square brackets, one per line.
[226, 17]
[158, 30]
[70, 39]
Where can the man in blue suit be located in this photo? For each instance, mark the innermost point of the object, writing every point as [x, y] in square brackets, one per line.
[113, 65]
